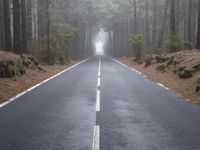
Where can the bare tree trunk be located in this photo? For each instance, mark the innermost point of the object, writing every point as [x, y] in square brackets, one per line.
[29, 23]
[177, 16]
[16, 26]
[198, 33]
[135, 17]
[1, 25]
[172, 18]
[189, 29]
[7, 26]
[147, 39]
[48, 31]
[154, 24]
[24, 26]
[184, 20]
[162, 31]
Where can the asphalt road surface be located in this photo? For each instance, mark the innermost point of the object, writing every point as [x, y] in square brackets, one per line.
[99, 104]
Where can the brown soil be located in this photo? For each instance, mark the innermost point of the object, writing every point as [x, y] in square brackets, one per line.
[184, 87]
[10, 87]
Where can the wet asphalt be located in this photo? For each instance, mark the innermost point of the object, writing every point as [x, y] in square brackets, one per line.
[135, 114]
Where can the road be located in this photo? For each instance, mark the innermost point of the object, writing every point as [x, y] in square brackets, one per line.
[99, 104]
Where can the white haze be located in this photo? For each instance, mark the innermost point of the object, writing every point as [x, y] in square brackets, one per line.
[100, 42]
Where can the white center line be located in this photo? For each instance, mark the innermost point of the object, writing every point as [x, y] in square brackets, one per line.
[96, 134]
[98, 82]
[96, 137]
[98, 101]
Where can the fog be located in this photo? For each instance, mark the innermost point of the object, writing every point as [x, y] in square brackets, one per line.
[100, 42]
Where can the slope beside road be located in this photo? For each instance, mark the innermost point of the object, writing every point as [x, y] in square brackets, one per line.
[99, 104]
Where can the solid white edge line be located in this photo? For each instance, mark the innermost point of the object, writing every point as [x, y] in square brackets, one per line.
[96, 138]
[166, 88]
[37, 85]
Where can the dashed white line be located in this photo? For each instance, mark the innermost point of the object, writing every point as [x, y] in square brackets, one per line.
[96, 138]
[39, 84]
[98, 82]
[98, 101]
[99, 73]
[96, 132]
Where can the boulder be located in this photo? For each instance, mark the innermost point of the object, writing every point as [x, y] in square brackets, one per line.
[198, 85]
[10, 68]
[196, 67]
[161, 58]
[184, 73]
[161, 67]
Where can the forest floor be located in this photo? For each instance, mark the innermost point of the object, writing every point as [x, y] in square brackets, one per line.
[10, 87]
[182, 87]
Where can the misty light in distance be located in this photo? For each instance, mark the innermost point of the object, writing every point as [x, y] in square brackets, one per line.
[100, 42]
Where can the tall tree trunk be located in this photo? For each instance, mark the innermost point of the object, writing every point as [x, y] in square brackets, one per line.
[198, 32]
[24, 26]
[29, 22]
[177, 16]
[172, 18]
[16, 26]
[48, 31]
[189, 29]
[154, 24]
[1, 25]
[162, 31]
[135, 17]
[147, 42]
[7, 26]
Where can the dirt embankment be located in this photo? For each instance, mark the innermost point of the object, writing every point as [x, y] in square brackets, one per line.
[19, 73]
[178, 71]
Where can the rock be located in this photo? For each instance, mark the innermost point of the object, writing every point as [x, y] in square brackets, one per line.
[196, 68]
[161, 67]
[161, 58]
[198, 85]
[10, 68]
[184, 73]
[29, 61]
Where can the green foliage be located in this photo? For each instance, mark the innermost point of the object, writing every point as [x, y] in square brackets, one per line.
[173, 44]
[148, 59]
[137, 42]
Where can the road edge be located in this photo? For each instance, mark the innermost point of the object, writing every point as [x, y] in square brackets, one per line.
[39, 84]
[159, 84]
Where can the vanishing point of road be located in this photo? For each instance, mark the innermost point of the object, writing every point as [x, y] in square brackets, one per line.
[99, 105]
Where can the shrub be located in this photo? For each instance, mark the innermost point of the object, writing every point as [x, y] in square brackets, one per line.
[187, 45]
[137, 42]
[147, 60]
[173, 44]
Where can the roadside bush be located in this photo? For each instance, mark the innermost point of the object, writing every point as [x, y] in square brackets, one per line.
[187, 45]
[137, 42]
[173, 44]
[147, 60]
